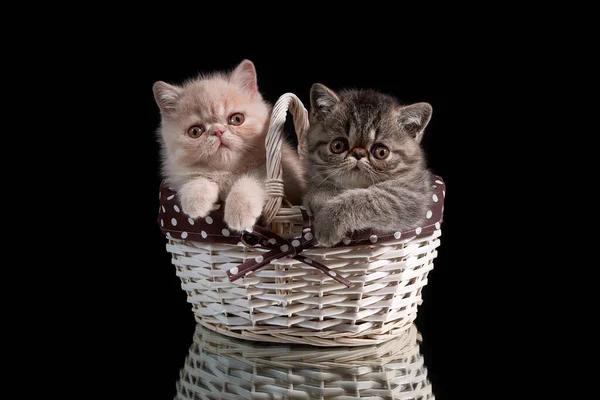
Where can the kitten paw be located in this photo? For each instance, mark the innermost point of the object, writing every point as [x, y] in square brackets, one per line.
[244, 204]
[196, 207]
[197, 200]
[240, 215]
[327, 233]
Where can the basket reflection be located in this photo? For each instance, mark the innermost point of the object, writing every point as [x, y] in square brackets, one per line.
[221, 367]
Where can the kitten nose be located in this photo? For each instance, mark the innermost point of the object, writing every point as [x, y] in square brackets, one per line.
[359, 152]
[218, 132]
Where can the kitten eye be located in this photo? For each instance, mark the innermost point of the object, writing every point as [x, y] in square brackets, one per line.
[236, 119]
[196, 131]
[338, 146]
[380, 152]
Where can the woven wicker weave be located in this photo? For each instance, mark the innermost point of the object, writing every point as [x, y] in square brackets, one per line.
[288, 300]
[219, 367]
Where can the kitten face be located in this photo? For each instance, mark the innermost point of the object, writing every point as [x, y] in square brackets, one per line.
[359, 138]
[212, 121]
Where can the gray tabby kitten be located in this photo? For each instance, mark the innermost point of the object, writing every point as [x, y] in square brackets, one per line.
[366, 168]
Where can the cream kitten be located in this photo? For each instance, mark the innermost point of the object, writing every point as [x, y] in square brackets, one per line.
[212, 135]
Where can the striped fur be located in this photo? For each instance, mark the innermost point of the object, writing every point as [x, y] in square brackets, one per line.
[354, 191]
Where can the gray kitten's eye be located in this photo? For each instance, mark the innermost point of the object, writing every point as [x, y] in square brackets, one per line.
[196, 131]
[380, 152]
[236, 119]
[338, 146]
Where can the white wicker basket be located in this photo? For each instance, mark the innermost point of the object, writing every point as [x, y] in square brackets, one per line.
[247, 286]
[219, 367]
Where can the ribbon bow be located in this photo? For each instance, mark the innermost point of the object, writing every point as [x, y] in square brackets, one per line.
[280, 247]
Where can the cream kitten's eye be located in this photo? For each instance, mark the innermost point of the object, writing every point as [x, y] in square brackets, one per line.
[338, 146]
[380, 152]
[236, 119]
[196, 131]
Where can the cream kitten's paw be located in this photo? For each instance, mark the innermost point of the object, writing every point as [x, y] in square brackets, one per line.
[244, 204]
[198, 197]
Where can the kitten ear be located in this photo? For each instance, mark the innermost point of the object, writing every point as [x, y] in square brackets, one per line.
[244, 75]
[166, 96]
[322, 100]
[414, 118]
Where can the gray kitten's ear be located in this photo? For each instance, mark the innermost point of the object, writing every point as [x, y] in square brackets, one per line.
[322, 100]
[166, 96]
[414, 118]
[244, 75]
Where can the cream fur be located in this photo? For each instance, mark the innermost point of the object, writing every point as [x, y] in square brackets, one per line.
[231, 168]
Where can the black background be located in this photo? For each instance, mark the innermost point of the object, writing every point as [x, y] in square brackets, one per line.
[146, 324]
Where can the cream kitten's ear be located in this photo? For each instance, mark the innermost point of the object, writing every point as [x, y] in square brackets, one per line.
[166, 96]
[414, 118]
[322, 101]
[244, 75]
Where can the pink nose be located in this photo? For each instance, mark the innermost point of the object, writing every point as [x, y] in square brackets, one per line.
[218, 132]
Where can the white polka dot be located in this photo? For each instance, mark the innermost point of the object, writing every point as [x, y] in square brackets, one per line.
[397, 235]
[204, 234]
[240, 244]
[429, 214]
[308, 261]
[171, 189]
[170, 197]
[184, 235]
[332, 273]
[216, 206]
[259, 259]
[295, 243]
[225, 232]
[435, 198]
[249, 230]
[191, 221]
[418, 231]
[234, 270]
[162, 223]
[346, 240]
[272, 241]
[373, 238]
[163, 208]
[176, 208]
[308, 236]
[306, 230]
[444, 193]
[169, 235]
[208, 220]
[173, 222]
[437, 225]
[439, 182]
[284, 248]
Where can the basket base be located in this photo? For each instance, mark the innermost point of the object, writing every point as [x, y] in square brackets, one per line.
[276, 334]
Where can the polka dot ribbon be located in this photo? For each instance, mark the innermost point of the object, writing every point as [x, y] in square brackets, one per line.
[279, 248]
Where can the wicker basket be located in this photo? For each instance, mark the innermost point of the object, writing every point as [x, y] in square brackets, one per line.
[219, 367]
[276, 284]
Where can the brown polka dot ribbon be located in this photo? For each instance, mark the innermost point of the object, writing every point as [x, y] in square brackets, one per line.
[280, 248]
[175, 224]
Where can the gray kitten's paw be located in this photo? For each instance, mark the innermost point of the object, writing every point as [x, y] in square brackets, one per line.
[198, 198]
[327, 232]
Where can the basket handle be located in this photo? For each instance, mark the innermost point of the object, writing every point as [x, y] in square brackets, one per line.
[273, 142]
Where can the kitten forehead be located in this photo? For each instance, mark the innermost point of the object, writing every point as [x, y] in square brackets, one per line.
[212, 98]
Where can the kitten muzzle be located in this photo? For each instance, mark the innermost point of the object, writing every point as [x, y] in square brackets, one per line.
[358, 153]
